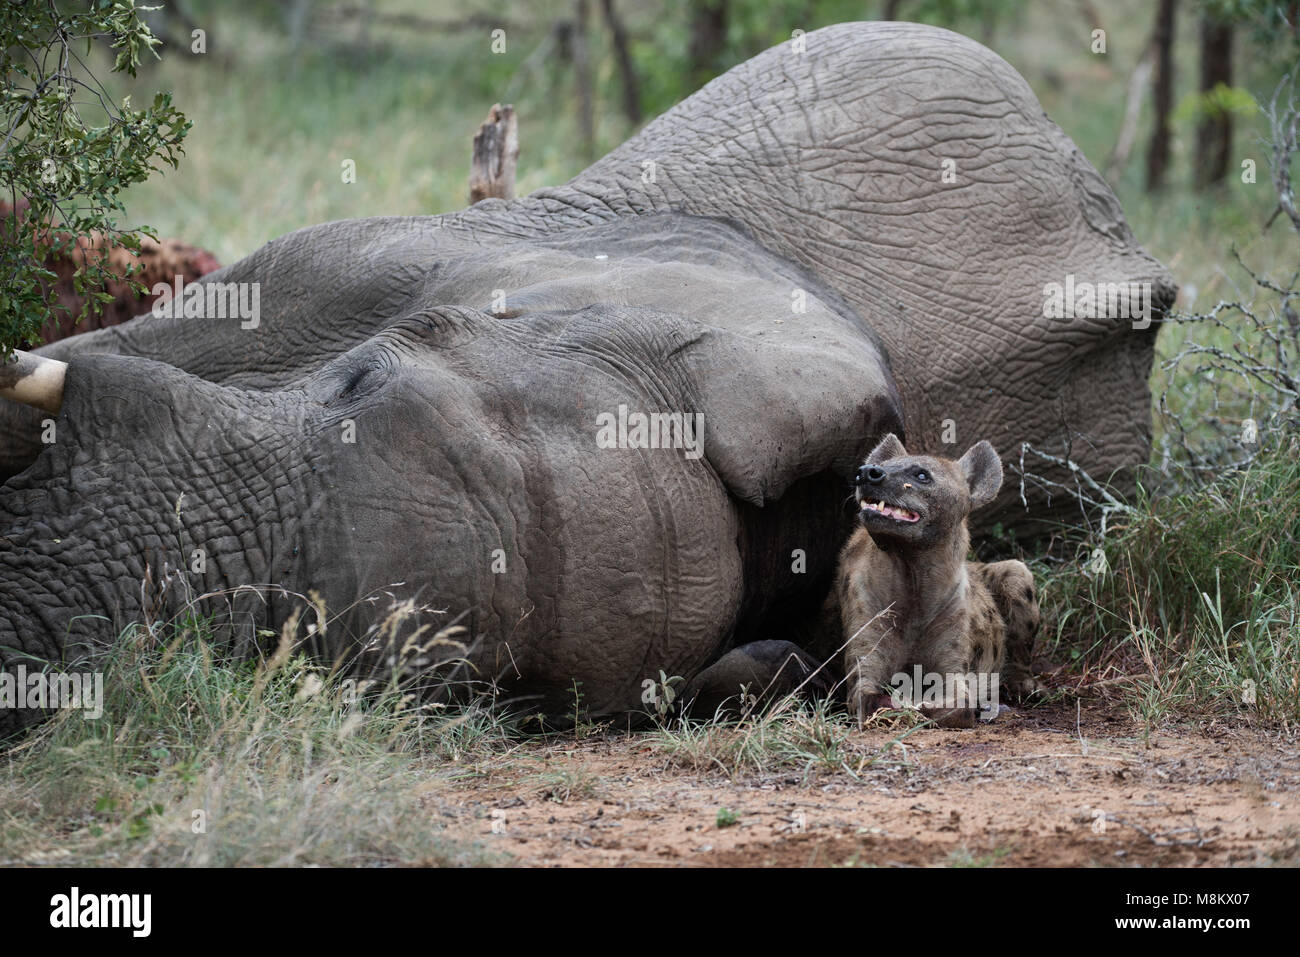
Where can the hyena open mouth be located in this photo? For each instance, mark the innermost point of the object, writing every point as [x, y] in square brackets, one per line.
[895, 512]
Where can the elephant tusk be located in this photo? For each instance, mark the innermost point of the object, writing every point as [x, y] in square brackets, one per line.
[33, 380]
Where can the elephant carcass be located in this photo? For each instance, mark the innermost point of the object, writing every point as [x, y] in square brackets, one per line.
[491, 467]
[898, 183]
[908, 167]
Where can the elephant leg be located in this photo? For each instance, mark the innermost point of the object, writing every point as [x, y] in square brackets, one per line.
[765, 670]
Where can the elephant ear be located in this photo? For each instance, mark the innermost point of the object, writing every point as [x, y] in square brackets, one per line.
[887, 448]
[777, 410]
[676, 314]
[983, 471]
[779, 403]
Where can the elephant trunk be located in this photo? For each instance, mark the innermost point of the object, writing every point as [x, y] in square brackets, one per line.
[128, 515]
[49, 624]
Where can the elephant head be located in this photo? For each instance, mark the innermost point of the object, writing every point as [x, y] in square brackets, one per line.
[608, 426]
[595, 491]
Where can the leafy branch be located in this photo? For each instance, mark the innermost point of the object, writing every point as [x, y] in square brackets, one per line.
[70, 172]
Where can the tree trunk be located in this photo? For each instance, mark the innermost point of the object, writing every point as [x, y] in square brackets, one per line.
[496, 148]
[1090, 14]
[1214, 134]
[582, 70]
[1132, 109]
[708, 39]
[1162, 95]
[626, 71]
[297, 15]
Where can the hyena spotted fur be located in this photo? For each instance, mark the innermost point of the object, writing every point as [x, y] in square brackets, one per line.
[906, 594]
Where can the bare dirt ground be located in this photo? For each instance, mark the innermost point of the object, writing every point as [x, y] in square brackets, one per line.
[1030, 789]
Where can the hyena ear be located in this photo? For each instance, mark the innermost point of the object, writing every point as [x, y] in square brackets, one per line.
[887, 448]
[983, 471]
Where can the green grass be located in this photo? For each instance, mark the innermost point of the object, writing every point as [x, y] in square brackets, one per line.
[199, 760]
[963, 857]
[564, 784]
[810, 737]
[1198, 605]
[272, 129]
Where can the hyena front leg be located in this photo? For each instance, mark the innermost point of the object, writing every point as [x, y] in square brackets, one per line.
[874, 653]
[1011, 584]
[955, 656]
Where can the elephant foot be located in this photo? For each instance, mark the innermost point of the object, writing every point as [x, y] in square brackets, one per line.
[751, 676]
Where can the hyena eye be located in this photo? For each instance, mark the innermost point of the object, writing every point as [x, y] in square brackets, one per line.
[922, 475]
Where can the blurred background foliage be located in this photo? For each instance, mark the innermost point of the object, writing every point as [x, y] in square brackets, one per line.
[286, 90]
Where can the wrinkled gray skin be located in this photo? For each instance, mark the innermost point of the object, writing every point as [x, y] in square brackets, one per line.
[475, 431]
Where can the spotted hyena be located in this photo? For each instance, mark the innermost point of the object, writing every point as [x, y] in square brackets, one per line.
[908, 597]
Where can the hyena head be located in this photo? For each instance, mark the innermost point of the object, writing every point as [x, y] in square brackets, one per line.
[922, 500]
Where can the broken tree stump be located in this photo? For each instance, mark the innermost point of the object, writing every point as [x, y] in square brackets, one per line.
[496, 148]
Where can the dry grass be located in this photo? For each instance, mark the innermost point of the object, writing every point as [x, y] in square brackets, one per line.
[808, 737]
[199, 760]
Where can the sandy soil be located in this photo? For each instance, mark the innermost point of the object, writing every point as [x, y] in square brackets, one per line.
[1033, 788]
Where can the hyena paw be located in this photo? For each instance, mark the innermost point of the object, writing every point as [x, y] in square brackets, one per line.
[1024, 686]
[952, 717]
[867, 704]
